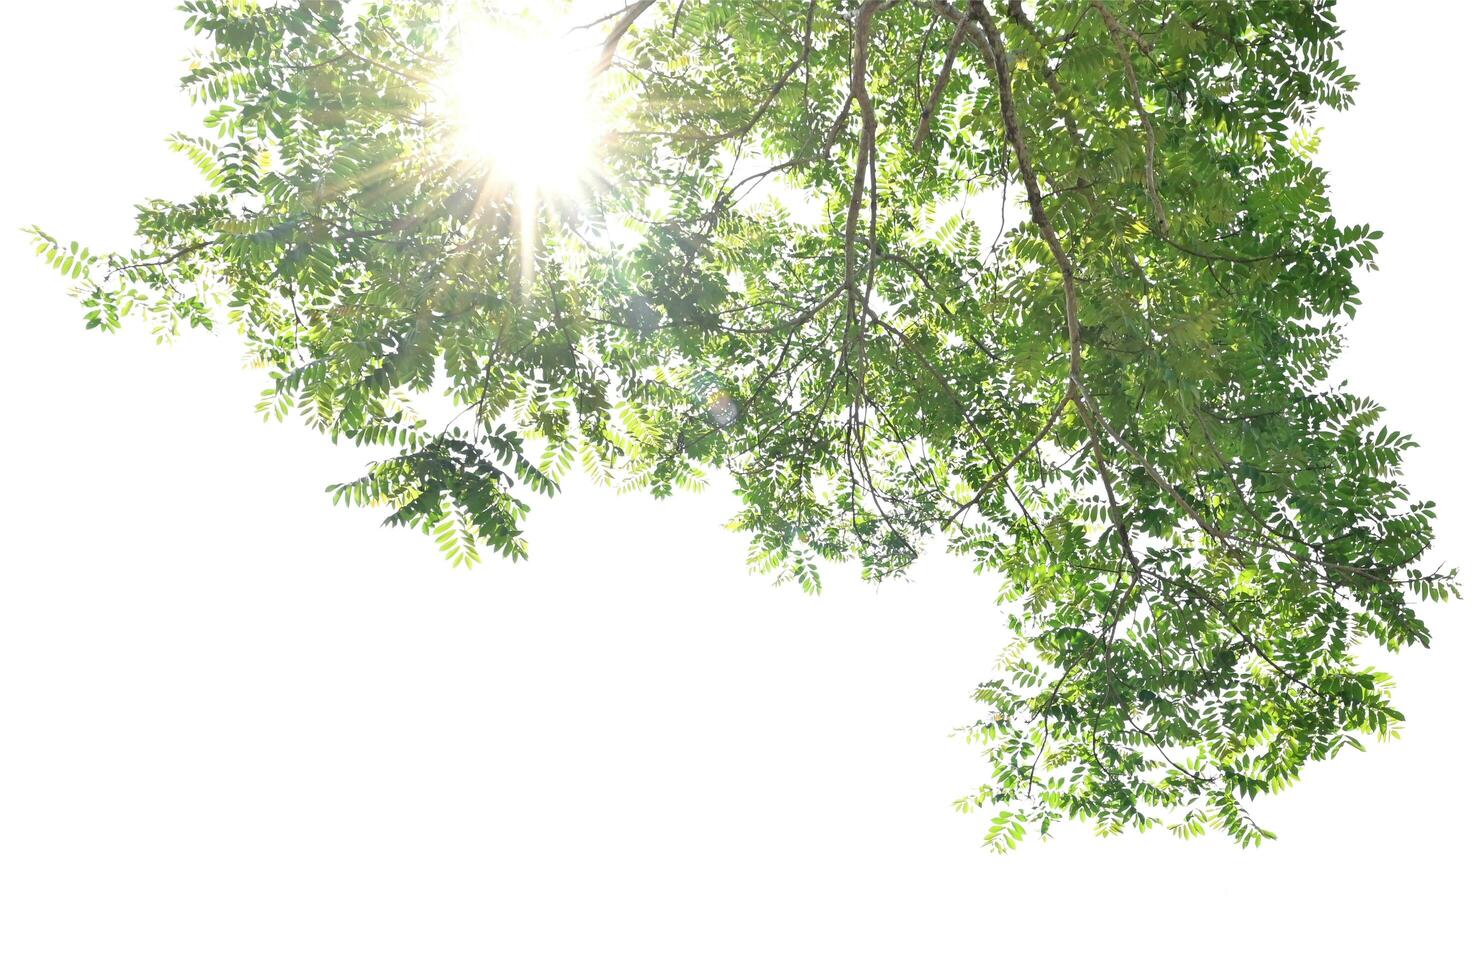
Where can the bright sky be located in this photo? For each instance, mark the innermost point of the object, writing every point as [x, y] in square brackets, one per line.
[246, 735]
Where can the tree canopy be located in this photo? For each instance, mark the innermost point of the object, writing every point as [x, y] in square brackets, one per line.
[1056, 286]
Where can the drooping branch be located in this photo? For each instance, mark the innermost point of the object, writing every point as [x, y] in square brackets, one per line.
[995, 52]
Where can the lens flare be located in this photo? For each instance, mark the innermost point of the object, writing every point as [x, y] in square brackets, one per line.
[521, 106]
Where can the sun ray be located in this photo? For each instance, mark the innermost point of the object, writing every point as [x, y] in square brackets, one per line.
[520, 108]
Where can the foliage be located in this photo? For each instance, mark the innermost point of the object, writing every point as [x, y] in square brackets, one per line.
[1060, 286]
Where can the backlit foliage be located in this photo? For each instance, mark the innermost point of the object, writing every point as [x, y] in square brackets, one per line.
[1057, 284]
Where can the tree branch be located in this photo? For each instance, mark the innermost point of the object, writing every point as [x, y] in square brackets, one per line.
[617, 32]
[1113, 26]
[928, 113]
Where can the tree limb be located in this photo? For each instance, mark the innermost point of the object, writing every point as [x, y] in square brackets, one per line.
[616, 34]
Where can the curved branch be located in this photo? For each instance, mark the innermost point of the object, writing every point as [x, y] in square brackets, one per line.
[616, 34]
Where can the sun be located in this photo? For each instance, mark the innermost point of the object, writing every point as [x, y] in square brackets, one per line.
[521, 105]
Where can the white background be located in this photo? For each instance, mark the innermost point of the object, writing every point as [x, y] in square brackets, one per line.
[244, 734]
